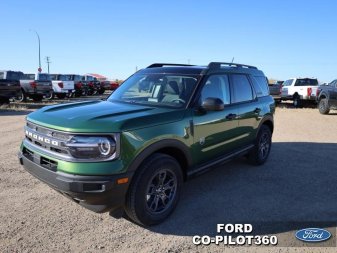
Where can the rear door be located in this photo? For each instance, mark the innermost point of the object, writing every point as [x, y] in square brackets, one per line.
[245, 100]
[215, 132]
[333, 95]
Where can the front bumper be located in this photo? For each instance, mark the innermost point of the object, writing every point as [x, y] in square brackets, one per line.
[96, 193]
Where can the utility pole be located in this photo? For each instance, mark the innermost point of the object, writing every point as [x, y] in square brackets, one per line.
[136, 68]
[38, 38]
[48, 62]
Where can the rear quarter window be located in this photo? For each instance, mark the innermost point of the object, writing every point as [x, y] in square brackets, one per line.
[241, 88]
[260, 85]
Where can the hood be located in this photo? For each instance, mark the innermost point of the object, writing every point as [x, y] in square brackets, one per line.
[102, 116]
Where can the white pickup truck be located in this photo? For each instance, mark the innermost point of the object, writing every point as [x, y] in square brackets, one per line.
[62, 86]
[300, 90]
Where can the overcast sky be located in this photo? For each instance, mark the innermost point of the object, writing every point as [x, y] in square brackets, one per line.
[284, 39]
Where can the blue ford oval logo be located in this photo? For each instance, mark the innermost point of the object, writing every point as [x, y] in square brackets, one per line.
[313, 235]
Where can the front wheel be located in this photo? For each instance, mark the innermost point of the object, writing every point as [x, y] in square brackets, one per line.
[259, 154]
[155, 190]
[323, 106]
[20, 96]
[50, 95]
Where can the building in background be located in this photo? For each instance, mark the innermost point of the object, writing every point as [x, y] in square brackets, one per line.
[98, 76]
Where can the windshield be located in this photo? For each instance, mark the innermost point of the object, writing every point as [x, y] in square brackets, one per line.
[90, 78]
[44, 77]
[288, 82]
[173, 90]
[65, 78]
[11, 75]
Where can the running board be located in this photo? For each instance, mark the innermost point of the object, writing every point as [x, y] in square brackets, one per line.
[207, 166]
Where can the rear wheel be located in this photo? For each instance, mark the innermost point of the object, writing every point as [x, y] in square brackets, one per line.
[37, 98]
[297, 102]
[4, 100]
[154, 191]
[61, 95]
[323, 106]
[259, 154]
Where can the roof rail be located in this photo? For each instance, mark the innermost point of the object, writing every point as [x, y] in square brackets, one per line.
[159, 65]
[217, 65]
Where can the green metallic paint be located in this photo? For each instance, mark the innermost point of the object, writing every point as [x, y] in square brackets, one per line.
[141, 127]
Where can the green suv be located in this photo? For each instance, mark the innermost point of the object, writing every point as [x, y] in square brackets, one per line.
[130, 153]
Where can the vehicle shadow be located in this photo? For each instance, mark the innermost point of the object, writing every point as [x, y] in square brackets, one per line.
[294, 189]
[289, 105]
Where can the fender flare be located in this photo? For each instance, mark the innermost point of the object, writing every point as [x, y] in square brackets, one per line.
[266, 118]
[153, 148]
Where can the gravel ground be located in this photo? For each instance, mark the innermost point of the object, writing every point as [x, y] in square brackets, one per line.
[297, 184]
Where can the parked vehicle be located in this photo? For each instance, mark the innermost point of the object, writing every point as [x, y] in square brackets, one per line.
[96, 87]
[62, 86]
[275, 90]
[9, 85]
[132, 152]
[35, 86]
[79, 84]
[327, 97]
[110, 85]
[300, 90]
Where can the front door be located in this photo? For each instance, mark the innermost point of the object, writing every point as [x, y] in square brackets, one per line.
[215, 132]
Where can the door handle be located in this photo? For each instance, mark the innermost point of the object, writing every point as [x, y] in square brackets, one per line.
[257, 110]
[231, 116]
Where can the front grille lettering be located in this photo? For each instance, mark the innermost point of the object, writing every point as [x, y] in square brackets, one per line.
[41, 138]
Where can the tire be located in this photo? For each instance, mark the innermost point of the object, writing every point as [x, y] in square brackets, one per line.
[101, 91]
[37, 98]
[50, 96]
[4, 100]
[297, 102]
[61, 95]
[259, 154]
[323, 106]
[20, 96]
[157, 172]
[90, 92]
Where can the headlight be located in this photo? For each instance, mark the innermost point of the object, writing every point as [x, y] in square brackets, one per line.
[91, 147]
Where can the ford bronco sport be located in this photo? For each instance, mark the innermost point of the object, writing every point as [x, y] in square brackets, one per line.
[132, 152]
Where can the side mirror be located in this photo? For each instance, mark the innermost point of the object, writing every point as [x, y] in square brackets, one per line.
[213, 104]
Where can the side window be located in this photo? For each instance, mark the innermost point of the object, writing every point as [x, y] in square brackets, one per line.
[217, 86]
[242, 90]
[260, 85]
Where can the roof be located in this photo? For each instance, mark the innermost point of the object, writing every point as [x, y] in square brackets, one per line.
[97, 76]
[212, 68]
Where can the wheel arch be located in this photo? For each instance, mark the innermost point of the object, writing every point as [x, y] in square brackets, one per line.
[174, 148]
[268, 121]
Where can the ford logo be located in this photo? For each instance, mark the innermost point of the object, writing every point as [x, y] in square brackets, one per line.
[313, 235]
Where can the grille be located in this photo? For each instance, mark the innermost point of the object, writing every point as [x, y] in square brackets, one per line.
[47, 139]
